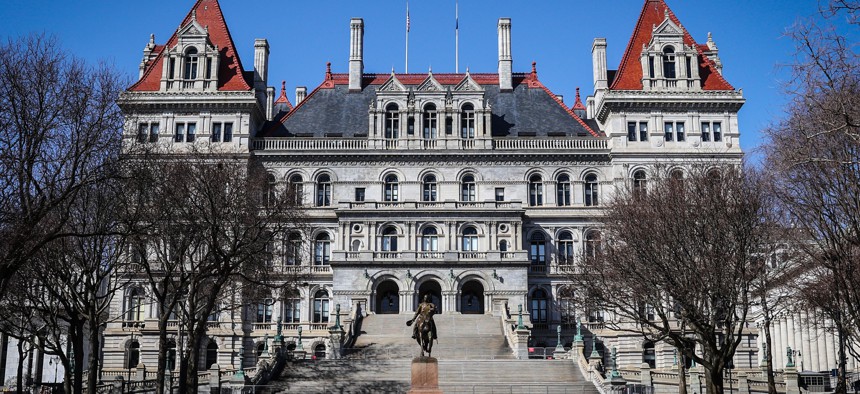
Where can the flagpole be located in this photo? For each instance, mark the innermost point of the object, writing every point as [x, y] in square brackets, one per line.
[407, 37]
[456, 36]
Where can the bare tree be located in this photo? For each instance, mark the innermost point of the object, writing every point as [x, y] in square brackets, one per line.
[59, 125]
[207, 223]
[680, 261]
[814, 154]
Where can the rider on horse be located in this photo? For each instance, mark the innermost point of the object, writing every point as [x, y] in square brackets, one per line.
[424, 318]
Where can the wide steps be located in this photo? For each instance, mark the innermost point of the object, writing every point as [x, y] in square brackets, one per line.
[455, 376]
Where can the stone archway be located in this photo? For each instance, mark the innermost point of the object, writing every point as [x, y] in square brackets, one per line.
[472, 298]
[433, 288]
[387, 298]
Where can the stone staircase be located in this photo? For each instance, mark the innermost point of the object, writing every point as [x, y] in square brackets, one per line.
[473, 358]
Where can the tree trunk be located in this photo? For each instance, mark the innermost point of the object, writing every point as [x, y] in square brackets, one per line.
[78, 348]
[841, 387]
[162, 352]
[682, 379]
[771, 382]
[94, 363]
[715, 378]
[20, 378]
[196, 331]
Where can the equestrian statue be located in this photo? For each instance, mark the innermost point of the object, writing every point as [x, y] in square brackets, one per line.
[424, 330]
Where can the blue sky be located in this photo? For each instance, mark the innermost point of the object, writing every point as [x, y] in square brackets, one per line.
[304, 35]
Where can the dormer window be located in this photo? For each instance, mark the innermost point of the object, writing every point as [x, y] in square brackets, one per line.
[467, 121]
[191, 63]
[669, 63]
[392, 122]
[431, 121]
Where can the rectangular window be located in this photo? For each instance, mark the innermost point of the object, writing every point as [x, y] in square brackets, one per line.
[718, 132]
[179, 136]
[643, 131]
[449, 125]
[668, 131]
[264, 311]
[191, 130]
[171, 69]
[674, 131]
[689, 67]
[359, 194]
[153, 132]
[706, 131]
[216, 132]
[500, 194]
[631, 131]
[142, 132]
[208, 68]
[538, 253]
[292, 313]
[679, 131]
[410, 125]
[228, 132]
[651, 66]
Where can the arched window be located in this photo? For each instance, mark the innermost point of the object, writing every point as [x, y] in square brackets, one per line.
[323, 190]
[535, 191]
[467, 121]
[191, 60]
[293, 249]
[591, 190]
[171, 355]
[264, 311]
[429, 239]
[539, 307]
[565, 248]
[639, 184]
[389, 239]
[392, 121]
[321, 307]
[391, 188]
[676, 179]
[297, 188]
[431, 122]
[563, 190]
[470, 239]
[428, 186]
[134, 305]
[567, 306]
[467, 188]
[211, 355]
[322, 249]
[592, 243]
[271, 189]
[132, 356]
[319, 351]
[669, 63]
[537, 251]
[503, 246]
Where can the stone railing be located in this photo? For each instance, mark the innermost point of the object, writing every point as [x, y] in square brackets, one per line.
[424, 205]
[359, 144]
[448, 256]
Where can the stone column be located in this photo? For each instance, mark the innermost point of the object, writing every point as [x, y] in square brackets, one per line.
[743, 384]
[818, 356]
[806, 345]
[791, 386]
[521, 350]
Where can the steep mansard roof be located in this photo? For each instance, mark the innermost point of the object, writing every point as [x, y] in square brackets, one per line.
[530, 110]
[629, 74]
[231, 76]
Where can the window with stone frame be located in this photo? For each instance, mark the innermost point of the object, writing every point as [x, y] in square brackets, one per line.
[470, 239]
[712, 131]
[147, 132]
[592, 196]
[565, 248]
[190, 65]
[293, 249]
[428, 188]
[467, 188]
[429, 239]
[674, 131]
[392, 121]
[292, 310]
[322, 249]
[323, 190]
[222, 132]
[264, 311]
[391, 188]
[430, 122]
[535, 191]
[467, 121]
[640, 186]
[537, 249]
[321, 309]
[637, 131]
[562, 186]
[389, 239]
[297, 188]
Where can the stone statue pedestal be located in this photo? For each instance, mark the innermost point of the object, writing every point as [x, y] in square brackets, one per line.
[425, 376]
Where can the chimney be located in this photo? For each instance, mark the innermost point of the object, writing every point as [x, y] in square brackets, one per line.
[261, 63]
[301, 93]
[598, 63]
[356, 54]
[505, 60]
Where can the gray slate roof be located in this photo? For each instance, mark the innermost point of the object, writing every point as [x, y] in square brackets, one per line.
[335, 112]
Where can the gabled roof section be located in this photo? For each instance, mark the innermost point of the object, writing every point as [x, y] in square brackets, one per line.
[430, 84]
[629, 75]
[282, 99]
[207, 14]
[468, 84]
[392, 85]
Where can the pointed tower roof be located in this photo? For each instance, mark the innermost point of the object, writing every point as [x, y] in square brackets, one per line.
[208, 14]
[578, 106]
[282, 99]
[629, 75]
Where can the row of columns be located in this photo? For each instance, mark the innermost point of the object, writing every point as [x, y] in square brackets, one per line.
[814, 339]
[449, 238]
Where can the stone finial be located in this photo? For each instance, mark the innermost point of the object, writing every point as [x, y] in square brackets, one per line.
[328, 71]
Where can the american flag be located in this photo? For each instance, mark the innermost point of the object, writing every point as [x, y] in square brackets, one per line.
[407, 17]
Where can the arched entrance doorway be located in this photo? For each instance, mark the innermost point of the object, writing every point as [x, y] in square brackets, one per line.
[472, 297]
[387, 297]
[435, 290]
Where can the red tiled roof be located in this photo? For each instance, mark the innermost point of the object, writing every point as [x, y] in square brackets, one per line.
[230, 71]
[629, 76]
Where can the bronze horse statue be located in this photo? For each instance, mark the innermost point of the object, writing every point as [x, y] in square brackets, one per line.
[424, 331]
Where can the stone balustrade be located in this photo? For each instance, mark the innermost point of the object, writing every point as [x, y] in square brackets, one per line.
[358, 144]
